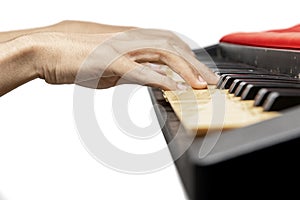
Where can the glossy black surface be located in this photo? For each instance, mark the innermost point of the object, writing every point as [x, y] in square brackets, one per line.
[255, 162]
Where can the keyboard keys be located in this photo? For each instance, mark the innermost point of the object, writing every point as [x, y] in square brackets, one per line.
[227, 79]
[236, 82]
[197, 110]
[281, 100]
[262, 94]
[240, 89]
[252, 89]
[246, 72]
[229, 66]
[271, 92]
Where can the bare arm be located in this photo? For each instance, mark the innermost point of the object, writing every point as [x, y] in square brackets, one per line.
[15, 64]
[56, 54]
[67, 27]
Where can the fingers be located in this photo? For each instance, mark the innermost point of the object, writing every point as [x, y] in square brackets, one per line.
[205, 73]
[174, 61]
[132, 72]
[161, 69]
[174, 52]
[156, 46]
[184, 69]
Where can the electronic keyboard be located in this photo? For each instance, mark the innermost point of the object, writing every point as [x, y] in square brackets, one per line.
[240, 138]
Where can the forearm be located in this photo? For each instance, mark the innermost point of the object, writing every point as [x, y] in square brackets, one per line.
[16, 66]
[66, 27]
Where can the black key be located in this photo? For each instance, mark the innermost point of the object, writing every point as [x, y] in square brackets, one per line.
[243, 85]
[262, 94]
[281, 100]
[227, 82]
[240, 89]
[236, 82]
[252, 73]
[230, 66]
[233, 71]
[247, 72]
[249, 76]
[222, 78]
[236, 71]
[252, 89]
[235, 85]
[234, 66]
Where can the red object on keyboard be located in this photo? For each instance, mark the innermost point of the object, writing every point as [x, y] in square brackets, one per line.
[288, 38]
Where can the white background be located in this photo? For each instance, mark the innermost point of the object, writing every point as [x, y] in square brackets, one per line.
[41, 156]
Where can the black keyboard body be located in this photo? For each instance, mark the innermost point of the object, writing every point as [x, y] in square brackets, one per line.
[257, 161]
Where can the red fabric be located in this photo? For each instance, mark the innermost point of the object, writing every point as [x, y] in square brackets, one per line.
[288, 38]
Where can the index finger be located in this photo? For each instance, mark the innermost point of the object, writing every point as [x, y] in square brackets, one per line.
[174, 61]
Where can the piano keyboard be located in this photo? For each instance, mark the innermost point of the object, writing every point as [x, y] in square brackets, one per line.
[255, 102]
[244, 95]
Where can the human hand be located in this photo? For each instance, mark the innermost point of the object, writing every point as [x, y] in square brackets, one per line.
[84, 53]
[118, 58]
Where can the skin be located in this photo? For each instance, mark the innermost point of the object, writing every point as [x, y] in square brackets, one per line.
[55, 53]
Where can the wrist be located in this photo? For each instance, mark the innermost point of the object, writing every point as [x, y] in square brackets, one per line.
[29, 54]
[16, 64]
[20, 54]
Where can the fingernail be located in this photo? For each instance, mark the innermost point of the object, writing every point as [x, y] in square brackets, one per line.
[201, 79]
[181, 86]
